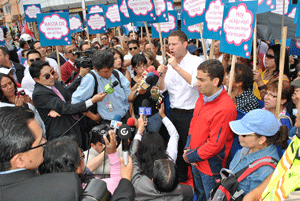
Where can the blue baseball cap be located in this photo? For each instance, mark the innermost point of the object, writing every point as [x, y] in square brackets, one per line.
[192, 48]
[257, 121]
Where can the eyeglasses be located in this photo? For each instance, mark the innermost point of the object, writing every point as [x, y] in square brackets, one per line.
[82, 154]
[47, 76]
[41, 145]
[103, 38]
[70, 51]
[269, 94]
[270, 56]
[133, 48]
[33, 60]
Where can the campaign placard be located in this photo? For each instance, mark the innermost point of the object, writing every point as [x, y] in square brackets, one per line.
[112, 15]
[97, 8]
[291, 10]
[161, 10]
[123, 10]
[212, 27]
[297, 11]
[2, 37]
[54, 29]
[75, 24]
[295, 47]
[165, 27]
[170, 5]
[128, 28]
[193, 11]
[192, 31]
[279, 6]
[30, 11]
[141, 10]
[96, 23]
[238, 27]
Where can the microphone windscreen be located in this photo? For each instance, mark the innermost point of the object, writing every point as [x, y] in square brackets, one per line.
[114, 84]
[124, 132]
[145, 103]
[149, 80]
[130, 121]
[117, 117]
[155, 80]
[150, 69]
[150, 74]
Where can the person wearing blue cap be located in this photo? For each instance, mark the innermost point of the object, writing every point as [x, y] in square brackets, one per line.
[259, 131]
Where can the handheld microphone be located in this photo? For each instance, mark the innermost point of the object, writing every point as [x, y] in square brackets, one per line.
[109, 87]
[145, 103]
[166, 63]
[131, 122]
[124, 134]
[155, 80]
[116, 122]
[160, 100]
[148, 82]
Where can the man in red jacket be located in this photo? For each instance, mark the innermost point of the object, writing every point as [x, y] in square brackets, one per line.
[210, 138]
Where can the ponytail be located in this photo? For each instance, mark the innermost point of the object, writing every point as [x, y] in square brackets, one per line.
[280, 138]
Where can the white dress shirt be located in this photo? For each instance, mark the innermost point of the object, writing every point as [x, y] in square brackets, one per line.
[182, 94]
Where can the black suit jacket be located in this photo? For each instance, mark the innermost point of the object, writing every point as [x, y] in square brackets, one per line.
[26, 185]
[19, 71]
[45, 100]
[61, 59]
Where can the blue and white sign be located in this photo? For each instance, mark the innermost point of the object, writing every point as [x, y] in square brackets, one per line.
[128, 28]
[292, 11]
[30, 11]
[75, 24]
[170, 5]
[238, 26]
[165, 27]
[123, 10]
[141, 10]
[54, 29]
[98, 8]
[192, 31]
[146, 111]
[295, 47]
[193, 11]
[112, 15]
[161, 10]
[2, 37]
[96, 23]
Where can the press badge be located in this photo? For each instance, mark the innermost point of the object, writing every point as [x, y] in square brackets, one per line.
[109, 106]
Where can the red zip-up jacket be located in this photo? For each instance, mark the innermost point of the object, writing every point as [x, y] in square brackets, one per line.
[210, 137]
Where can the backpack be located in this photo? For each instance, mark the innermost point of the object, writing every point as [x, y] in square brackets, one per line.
[226, 188]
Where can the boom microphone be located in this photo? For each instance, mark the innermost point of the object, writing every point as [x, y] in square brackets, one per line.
[124, 134]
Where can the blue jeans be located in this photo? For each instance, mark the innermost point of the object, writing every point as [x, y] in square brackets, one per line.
[203, 184]
[154, 122]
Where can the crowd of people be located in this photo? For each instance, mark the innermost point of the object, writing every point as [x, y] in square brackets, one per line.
[60, 106]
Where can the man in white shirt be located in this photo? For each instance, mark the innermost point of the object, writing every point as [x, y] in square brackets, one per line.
[179, 78]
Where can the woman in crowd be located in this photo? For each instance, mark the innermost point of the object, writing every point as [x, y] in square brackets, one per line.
[139, 65]
[154, 173]
[272, 71]
[241, 94]
[151, 59]
[259, 131]
[118, 63]
[64, 155]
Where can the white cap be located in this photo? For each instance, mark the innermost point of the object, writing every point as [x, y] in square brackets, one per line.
[6, 71]
[95, 40]
[25, 37]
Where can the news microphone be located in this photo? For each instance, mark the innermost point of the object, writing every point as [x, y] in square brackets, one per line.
[131, 122]
[116, 122]
[148, 82]
[124, 134]
[166, 63]
[109, 87]
[145, 103]
[160, 100]
[155, 80]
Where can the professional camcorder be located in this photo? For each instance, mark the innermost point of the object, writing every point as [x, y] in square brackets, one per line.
[84, 59]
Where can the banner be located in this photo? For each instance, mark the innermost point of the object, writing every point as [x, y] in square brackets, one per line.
[128, 28]
[96, 23]
[161, 10]
[165, 27]
[170, 5]
[192, 32]
[279, 6]
[193, 11]
[54, 29]
[30, 12]
[112, 15]
[123, 11]
[98, 8]
[291, 10]
[238, 27]
[75, 24]
[141, 10]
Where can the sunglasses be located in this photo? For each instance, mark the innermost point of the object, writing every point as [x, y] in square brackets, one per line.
[33, 60]
[132, 48]
[270, 56]
[70, 51]
[82, 154]
[103, 38]
[47, 76]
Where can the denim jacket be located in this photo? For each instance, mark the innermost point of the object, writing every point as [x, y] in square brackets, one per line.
[241, 159]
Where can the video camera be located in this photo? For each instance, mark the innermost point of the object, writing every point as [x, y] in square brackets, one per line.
[84, 59]
[99, 131]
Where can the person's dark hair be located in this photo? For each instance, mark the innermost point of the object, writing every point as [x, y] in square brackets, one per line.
[131, 32]
[133, 42]
[36, 67]
[154, 43]
[94, 45]
[32, 51]
[104, 34]
[276, 49]
[214, 68]
[2, 97]
[287, 90]
[280, 138]
[22, 43]
[60, 155]
[192, 41]
[23, 52]
[115, 38]
[164, 175]
[15, 135]
[244, 74]
[151, 149]
[4, 50]
[32, 44]
[115, 51]
[181, 35]
[102, 59]
[85, 43]
[138, 59]
[152, 57]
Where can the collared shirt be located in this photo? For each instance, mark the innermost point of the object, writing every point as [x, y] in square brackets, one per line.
[213, 97]
[118, 99]
[182, 94]
[63, 56]
[246, 101]
[129, 68]
[15, 75]
[12, 171]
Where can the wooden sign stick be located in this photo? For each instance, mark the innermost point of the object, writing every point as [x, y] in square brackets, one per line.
[161, 44]
[202, 41]
[212, 46]
[148, 35]
[232, 70]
